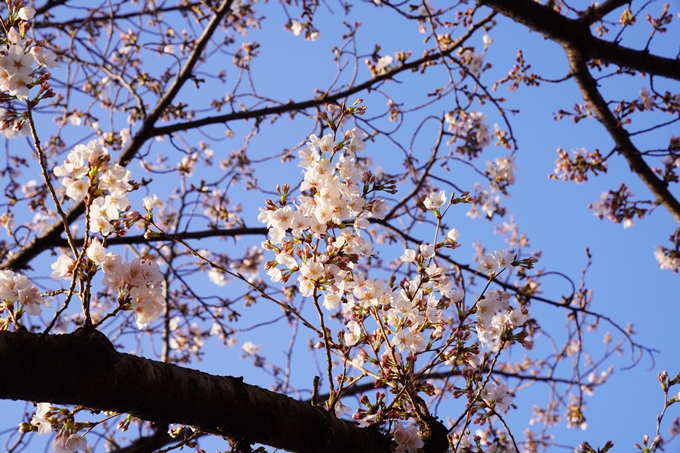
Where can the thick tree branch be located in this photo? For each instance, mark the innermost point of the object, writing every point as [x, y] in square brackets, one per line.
[576, 34]
[160, 438]
[84, 369]
[598, 11]
[624, 145]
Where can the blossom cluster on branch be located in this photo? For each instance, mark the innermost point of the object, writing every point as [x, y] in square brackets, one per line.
[389, 329]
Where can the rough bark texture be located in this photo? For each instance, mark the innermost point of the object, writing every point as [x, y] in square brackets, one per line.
[84, 369]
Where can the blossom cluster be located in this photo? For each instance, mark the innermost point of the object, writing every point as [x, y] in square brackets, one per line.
[139, 281]
[470, 127]
[501, 172]
[16, 62]
[18, 56]
[667, 258]
[616, 206]
[88, 174]
[461, 123]
[490, 204]
[88, 171]
[67, 440]
[407, 439]
[494, 317]
[15, 288]
[319, 239]
[497, 397]
[576, 168]
[332, 195]
[474, 133]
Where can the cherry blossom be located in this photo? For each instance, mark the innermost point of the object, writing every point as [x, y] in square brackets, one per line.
[295, 27]
[353, 333]
[407, 339]
[40, 419]
[474, 62]
[26, 13]
[497, 396]
[407, 439]
[63, 268]
[17, 61]
[96, 252]
[647, 99]
[147, 305]
[383, 64]
[453, 235]
[487, 264]
[409, 256]
[149, 202]
[44, 57]
[70, 443]
[427, 250]
[435, 200]
[504, 259]
[18, 288]
[250, 348]
[667, 259]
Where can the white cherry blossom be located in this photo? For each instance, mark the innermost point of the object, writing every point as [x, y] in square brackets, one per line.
[435, 200]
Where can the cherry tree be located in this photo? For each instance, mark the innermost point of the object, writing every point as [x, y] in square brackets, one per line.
[173, 201]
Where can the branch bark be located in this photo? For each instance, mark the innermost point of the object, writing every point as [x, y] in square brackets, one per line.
[84, 369]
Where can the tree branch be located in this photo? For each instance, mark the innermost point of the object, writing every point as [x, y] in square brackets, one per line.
[84, 369]
[624, 145]
[99, 16]
[598, 11]
[204, 234]
[49, 4]
[420, 63]
[576, 34]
